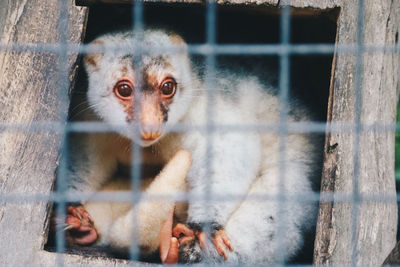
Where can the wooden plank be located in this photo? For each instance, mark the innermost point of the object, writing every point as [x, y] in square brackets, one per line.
[30, 91]
[96, 2]
[128, 2]
[394, 257]
[51, 259]
[320, 4]
[376, 222]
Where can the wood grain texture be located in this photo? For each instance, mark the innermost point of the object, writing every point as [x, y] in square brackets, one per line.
[375, 222]
[394, 257]
[321, 4]
[128, 2]
[30, 91]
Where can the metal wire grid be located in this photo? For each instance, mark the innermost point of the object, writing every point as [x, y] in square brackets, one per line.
[61, 183]
[136, 152]
[355, 211]
[210, 49]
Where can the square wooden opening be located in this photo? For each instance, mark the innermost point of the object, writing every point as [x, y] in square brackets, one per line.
[310, 74]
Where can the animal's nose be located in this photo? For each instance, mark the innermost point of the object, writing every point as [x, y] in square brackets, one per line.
[150, 132]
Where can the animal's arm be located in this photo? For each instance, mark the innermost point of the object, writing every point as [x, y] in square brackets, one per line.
[229, 168]
[88, 168]
[151, 214]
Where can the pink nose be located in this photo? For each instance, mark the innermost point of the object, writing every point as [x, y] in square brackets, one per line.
[150, 135]
[150, 132]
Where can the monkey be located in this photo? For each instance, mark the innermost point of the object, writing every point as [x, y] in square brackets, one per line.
[159, 91]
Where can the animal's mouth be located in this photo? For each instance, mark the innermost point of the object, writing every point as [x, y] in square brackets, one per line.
[147, 142]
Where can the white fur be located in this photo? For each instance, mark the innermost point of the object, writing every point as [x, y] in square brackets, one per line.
[241, 163]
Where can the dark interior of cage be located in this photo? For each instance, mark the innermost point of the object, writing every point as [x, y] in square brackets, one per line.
[309, 74]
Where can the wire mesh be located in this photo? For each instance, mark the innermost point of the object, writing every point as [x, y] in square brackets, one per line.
[355, 213]
[64, 86]
[211, 49]
[137, 11]
[284, 91]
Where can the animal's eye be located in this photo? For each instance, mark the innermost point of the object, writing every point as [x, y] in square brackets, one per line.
[168, 88]
[123, 89]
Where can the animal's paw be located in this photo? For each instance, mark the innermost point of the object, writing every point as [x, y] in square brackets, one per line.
[80, 228]
[222, 243]
[189, 244]
[192, 237]
[216, 233]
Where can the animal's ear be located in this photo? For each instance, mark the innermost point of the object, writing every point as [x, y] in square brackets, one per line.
[92, 60]
[177, 40]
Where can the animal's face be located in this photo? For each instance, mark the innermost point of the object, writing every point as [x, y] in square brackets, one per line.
[151, 93]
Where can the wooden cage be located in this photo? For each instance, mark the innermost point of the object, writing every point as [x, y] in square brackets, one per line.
[31, 92]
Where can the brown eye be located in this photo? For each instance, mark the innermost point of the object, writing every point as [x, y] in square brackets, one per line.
[168, 88]
[123, 89]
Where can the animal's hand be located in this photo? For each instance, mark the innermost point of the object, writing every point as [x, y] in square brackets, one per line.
[80, 228]
[189, 245]
[188, 234]
[222, 243]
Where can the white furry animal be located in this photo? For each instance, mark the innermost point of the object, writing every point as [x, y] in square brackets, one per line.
[243, 163]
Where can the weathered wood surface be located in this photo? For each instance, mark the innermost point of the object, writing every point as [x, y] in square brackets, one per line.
[30, 91]
[94, 2]
[394, 257]
[129, 2]
[50, 258]
[376, 222]
[322, 4]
